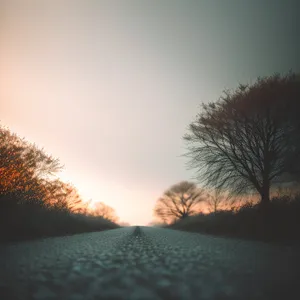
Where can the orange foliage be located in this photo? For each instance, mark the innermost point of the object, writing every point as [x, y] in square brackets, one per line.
[105, 211]
[25, 172]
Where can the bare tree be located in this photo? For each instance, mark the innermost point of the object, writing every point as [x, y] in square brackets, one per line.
[179, 201]
[248, 138]
[218, 199]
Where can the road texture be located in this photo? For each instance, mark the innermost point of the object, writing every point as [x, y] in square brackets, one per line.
[148, 263]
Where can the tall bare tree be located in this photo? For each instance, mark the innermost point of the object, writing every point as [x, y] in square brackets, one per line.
[249, 138]
[179, 201]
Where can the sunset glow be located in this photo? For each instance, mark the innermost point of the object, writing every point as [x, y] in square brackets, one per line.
[109, 87]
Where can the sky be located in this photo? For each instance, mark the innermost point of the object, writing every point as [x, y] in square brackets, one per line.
[110, 87]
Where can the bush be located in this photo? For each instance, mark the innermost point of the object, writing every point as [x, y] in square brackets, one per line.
[22, 221]
[280, 223]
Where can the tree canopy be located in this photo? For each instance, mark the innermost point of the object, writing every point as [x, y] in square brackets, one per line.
[178, 202]
[218, 200]
[249, 138]
[27, 176]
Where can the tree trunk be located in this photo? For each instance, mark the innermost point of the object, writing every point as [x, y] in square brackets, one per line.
[265, 194]
[215, 207]
[184, 215]
[264, 209]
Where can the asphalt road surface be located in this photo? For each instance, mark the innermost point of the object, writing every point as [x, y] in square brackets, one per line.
[148, 263]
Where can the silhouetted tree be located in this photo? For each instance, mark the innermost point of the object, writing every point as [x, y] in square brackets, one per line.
[249, 138]
[217, 200]
[179, 201]
[102, 210]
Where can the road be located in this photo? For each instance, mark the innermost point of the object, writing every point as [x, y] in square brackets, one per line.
[147, 263]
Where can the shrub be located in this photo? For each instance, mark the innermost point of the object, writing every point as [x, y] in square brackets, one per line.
[281, 222]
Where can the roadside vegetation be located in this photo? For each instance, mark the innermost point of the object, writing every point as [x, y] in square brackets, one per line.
[281, 224]
[242, 147]
[34, 202]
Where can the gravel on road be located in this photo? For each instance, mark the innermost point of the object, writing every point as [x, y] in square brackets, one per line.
[148, 263]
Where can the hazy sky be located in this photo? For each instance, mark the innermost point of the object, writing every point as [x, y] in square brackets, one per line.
[109, 87]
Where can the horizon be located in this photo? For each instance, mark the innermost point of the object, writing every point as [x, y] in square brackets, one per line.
[109, 88]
